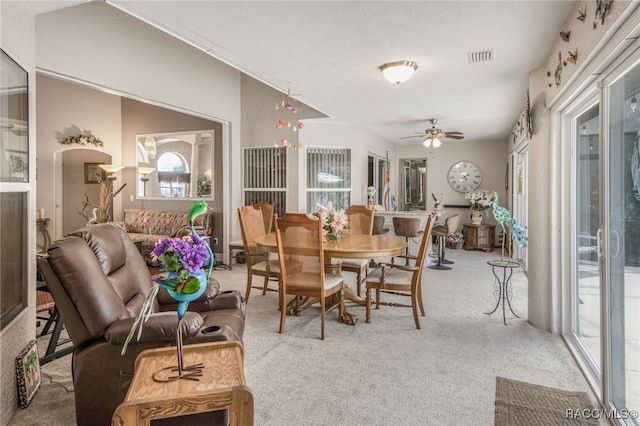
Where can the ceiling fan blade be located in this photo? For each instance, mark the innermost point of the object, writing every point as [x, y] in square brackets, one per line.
[453, 136]
[453, 133]
[416, 136]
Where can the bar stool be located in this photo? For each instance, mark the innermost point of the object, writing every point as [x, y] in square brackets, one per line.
[378, 223]
[407, 227]
[450, 226]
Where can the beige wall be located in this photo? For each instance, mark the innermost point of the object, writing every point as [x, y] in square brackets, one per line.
[67, 109]
[147, 64]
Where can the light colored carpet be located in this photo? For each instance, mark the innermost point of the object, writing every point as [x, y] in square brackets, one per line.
[387, 372]
[521, 404]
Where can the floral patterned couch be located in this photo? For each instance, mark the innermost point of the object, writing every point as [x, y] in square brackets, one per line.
[147, 227]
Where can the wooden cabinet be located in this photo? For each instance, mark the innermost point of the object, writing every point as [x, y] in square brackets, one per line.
[479, 237]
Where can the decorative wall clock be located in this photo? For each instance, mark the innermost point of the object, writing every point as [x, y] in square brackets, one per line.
[464, 176]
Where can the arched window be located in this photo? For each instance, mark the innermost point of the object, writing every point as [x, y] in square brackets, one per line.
[173, 175]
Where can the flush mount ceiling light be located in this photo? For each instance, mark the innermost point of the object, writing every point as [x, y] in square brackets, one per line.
[399, 71]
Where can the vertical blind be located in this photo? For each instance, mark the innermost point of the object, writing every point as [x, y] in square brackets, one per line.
[265, 177]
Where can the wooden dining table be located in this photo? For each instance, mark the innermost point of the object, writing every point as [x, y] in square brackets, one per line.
[349, 246]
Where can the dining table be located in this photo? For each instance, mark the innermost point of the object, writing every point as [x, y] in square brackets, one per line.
[348, 246]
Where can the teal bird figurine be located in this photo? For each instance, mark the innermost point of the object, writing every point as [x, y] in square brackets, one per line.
[184, 280]
[198, 208]
[508, 223]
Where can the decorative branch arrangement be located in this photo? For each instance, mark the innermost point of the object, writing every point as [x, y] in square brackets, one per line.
[82, 140]
[101, 211]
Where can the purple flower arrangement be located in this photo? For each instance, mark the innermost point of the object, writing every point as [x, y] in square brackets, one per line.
[181, 255]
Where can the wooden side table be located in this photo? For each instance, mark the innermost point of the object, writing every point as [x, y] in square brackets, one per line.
[221, 387]
[479, 237]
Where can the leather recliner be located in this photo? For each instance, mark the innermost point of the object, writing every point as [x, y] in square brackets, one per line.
[99, 281]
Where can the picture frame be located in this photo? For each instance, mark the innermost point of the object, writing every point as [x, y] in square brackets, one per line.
[28, 373]
[93, 174]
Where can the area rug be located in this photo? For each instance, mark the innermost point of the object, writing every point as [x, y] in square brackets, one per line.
[520, 403]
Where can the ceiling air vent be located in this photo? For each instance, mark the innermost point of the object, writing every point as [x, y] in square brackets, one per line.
[481, 56]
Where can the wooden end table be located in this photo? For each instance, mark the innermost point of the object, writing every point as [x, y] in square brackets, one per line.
[221, 387]
[479, 237]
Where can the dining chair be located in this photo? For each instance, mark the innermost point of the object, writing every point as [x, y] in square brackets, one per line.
[360, 222]
[401, 279]
[300, 236]
[267, 215]
[252, 225]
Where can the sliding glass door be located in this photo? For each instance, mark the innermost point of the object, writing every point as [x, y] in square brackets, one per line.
[605, 238]
[586, 297]
[622, 254]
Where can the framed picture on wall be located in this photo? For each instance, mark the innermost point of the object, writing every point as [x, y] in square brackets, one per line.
[93, 173]
[28, 373]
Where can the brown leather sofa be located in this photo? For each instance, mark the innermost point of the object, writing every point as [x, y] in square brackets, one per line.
[99, 280]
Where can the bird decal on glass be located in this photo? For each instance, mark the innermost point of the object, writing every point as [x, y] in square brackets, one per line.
[508, 224]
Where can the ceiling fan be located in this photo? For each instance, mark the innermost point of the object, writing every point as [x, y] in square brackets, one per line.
[433, 135]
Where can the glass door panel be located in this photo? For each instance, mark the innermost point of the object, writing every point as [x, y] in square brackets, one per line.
[623, 242]
[586, 299]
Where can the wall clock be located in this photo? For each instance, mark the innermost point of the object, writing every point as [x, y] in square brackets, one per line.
[464, 176]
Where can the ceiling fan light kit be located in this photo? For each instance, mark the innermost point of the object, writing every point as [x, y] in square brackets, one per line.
[432, 136]
[399, 71]
[429, 140]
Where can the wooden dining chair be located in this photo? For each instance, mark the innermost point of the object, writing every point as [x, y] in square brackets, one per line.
[300, 236]
[253, 225]
[401, 279]
[360, 222]
[267, 215]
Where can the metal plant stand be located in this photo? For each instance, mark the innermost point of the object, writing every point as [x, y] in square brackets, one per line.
[502, 288]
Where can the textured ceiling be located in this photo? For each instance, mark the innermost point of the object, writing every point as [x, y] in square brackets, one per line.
[329, 53]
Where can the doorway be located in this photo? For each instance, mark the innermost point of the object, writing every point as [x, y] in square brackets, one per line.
[78, 189]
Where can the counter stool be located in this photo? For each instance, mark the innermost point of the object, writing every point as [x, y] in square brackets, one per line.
[450, 226]
[378, 223]
[407, 227]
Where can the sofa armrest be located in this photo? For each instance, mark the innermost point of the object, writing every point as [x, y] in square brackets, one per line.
[122, 225]
[160, 327]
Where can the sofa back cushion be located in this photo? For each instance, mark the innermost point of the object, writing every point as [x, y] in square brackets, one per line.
[161, 222]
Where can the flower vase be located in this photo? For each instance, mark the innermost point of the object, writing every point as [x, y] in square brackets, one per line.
[333, 236]
[476, 217]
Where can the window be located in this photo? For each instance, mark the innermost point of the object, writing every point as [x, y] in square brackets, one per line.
[265, 177]
[328, 178]
[173, 175]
